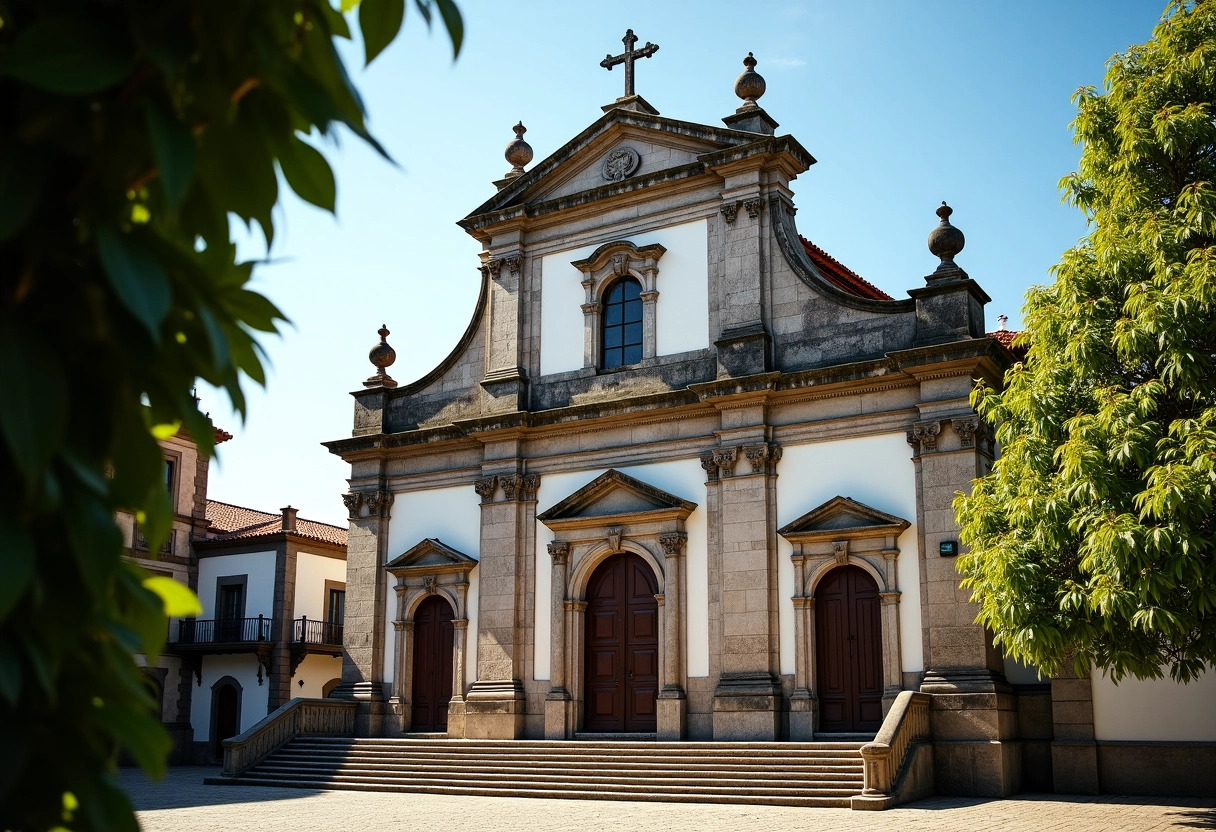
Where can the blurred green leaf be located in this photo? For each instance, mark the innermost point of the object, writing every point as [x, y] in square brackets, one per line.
[33, 409]
[179, 600]
[67, 55]
[379, 21]
[138, 278]
[308, 174]
[175, 152]
[18, 548]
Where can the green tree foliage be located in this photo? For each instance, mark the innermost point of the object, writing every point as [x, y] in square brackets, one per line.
[131, 131]
[1094, 536]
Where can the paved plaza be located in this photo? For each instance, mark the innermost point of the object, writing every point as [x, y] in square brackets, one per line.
[181, 803]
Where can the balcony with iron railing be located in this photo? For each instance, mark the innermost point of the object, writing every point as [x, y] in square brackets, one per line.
[307, 630]
[201, 632]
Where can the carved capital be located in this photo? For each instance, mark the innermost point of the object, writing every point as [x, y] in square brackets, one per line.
[512, 263]
[889, 598]
[840, 551]
[754, 207]
[511, 484]
[353, 502]
[378, 503]
[495, 267]
[763, 457]
[725, 458]
[711, 467]
[559, 551]
[528, 484]
[923, 436]
[730, 210]
[614, 538]
[485, 488]
[673, 543]
[966, 430]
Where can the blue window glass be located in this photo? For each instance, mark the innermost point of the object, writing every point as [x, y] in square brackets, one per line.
[622, 333]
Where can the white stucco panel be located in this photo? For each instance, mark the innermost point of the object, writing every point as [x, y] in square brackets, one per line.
[259, 591]
[683, 478]
[243, 667]
[1155, 709]
[681, 313]
[874, 470]
[314, 672]
[452, 515]
[312, 571]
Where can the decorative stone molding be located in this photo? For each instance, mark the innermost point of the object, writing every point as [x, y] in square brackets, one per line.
[966, 430]
[754, 207]
[607, 264]
[620, 164]
[510, 484]
[763, 457]
[559, 551]
[725, 459]
[512, 263]
[495, 267]
[485, 488]
[614, 538]
[923, 436]
[840, 551]
[730, 210]
[429, 585]
[528, 485]
[519, 487]
[673, 543]
[377, 503]
[353, 501]
[711, 467]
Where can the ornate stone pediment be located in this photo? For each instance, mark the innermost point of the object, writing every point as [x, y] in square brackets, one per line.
[841, 518]
[430, 557]
[614, 496]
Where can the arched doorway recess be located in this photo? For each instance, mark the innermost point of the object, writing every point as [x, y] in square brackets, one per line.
[848, 633]
[225, 713]
[432, 672]
[621, 649]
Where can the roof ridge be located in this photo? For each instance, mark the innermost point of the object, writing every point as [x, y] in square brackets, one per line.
[848, 274]
[274, 515]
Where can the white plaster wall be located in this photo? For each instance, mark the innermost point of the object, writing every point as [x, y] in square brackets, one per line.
[315, 671]
[1155, 709]
[259, 591]
[244, 668]
[874, 470]
[312, 571]
[452, 515]
[681, 314]
[683, 478]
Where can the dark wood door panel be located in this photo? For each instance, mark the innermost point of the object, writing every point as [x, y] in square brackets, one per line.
[848, 647]
[621, 651]
[432, 666]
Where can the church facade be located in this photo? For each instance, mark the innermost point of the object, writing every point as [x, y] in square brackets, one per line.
[686, 475]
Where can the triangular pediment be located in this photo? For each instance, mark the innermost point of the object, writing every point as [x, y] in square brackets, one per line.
[616, 495]
[841, 517]
[431, 555]
[660, 143]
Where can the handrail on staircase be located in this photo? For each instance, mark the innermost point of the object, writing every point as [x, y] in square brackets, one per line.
[298, 717]
[884, 759]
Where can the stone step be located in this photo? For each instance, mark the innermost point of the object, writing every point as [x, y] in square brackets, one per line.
[578, 759]
[474, 790]
[457, 764]
[606, 749]
[671, 778]
[624, 747]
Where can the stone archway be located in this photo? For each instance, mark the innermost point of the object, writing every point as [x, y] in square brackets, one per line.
[621, 647]
[225, 713]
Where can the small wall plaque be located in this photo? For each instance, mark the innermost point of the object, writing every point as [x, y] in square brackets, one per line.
[948, 548]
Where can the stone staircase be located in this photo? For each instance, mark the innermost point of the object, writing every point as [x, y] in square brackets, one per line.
[779, 774]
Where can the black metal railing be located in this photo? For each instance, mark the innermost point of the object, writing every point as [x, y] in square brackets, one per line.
[223, 630]
[313, 631]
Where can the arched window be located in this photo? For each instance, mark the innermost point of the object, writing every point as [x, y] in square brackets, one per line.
[623, 324]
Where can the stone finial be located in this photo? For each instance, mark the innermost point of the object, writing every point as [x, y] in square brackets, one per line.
[945, 241]
[518, 152]
[381, 356]
[750, 85]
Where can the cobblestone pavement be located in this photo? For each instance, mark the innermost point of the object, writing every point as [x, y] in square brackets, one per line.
[181, 803]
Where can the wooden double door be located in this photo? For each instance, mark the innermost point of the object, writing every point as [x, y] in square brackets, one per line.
[848, 648]
[432, 667]
[621, 648]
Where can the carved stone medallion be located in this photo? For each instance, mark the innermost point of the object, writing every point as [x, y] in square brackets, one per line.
[620, 163]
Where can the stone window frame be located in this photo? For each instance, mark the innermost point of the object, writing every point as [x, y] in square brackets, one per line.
[818, 548]
[581, 543]
[430, 568]
[605, 265]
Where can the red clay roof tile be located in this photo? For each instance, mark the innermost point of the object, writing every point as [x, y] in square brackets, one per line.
[229, 522]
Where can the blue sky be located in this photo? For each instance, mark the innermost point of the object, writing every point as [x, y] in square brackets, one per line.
[903, 103]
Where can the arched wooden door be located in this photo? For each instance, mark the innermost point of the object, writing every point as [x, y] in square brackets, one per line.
[621, 667]
[226, 707]
[432, 666]
[848, 647]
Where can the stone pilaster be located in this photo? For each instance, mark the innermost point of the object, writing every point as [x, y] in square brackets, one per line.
[973, 712]
[495, 706]
[363, 635]
[672, 705]
[505, 379]
[279, 683]
[558, 702]
[747, 699]
[1074, 751]
[456, 709]
[743, 342]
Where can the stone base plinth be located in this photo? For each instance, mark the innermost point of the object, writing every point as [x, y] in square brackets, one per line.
[495, 711]
[747, 707]
[803, 706]
[559, 715]
[456, 719]
[975, 741]
[672, 716]
[371, 706]
[1074, 766]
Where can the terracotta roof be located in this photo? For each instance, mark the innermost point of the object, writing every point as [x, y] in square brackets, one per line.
[229, 522]
[840, 275]
[1005, 337]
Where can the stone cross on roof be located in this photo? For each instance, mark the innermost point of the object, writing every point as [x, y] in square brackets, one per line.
[630, 55]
